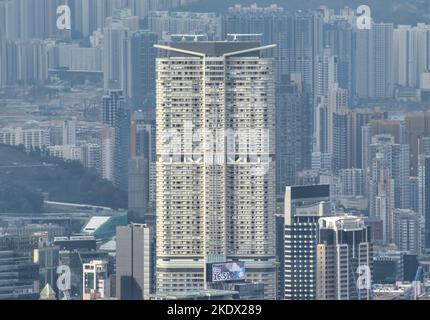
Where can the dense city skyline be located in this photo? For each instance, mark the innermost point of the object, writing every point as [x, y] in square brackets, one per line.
[181, 150]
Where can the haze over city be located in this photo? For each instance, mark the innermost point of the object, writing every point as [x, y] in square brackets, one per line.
[225, 150]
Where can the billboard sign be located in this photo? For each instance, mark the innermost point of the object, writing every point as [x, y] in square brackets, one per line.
[227, 272]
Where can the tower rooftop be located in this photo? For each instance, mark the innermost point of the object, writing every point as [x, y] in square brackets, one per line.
[215, 48]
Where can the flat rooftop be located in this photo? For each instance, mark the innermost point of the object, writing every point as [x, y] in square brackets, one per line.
[216, 48]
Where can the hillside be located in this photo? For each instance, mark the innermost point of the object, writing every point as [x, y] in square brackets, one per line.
[24, 178]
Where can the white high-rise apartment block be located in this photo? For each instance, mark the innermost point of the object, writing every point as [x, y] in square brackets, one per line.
[411, 54]
[66, 152]
[107, 152]
[374, 62]
[116, 38]
[353, 181]
[337, 102]
[185, 23]
[28, 137]
[215, 169]
[69, 132]
[326, 73]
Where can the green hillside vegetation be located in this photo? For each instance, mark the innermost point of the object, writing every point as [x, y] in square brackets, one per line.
[15, 198]
[25, 178]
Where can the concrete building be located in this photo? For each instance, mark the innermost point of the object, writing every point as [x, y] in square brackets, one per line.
[69, 132]
[293, 133]
[19, 276]
[215, 199]
[165, 22]
[91, 156]
[28, 137]
[353, 182]
[344, 248]
[407, 230]
[94, 280]
[373, 62]
[141, 73]
[66, 152]
[411, 55]
[386, 154]
[135, 262]
[142, 169]
[115, 138]
[304, 206]
[424, 199]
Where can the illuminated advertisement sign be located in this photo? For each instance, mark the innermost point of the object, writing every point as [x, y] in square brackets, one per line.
[227, 272]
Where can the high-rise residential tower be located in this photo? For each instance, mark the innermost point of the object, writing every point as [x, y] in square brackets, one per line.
[215, 163]
[69, 132]
[115, 138]
[373, 62]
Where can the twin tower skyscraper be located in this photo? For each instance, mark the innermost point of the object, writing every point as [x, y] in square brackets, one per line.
[216, 197]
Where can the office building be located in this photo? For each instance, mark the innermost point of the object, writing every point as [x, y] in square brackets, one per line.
[407, 230]
[395, 158]
[280, 228]
[304, 206]
[293, 133]
[424, 199]
[141, 90]
[142, 168]
[416, 128]
[413, 193]
[215, 200]
[94, 280]
[135, 248]
[344, 246]
[19, 276]
[47, 257]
